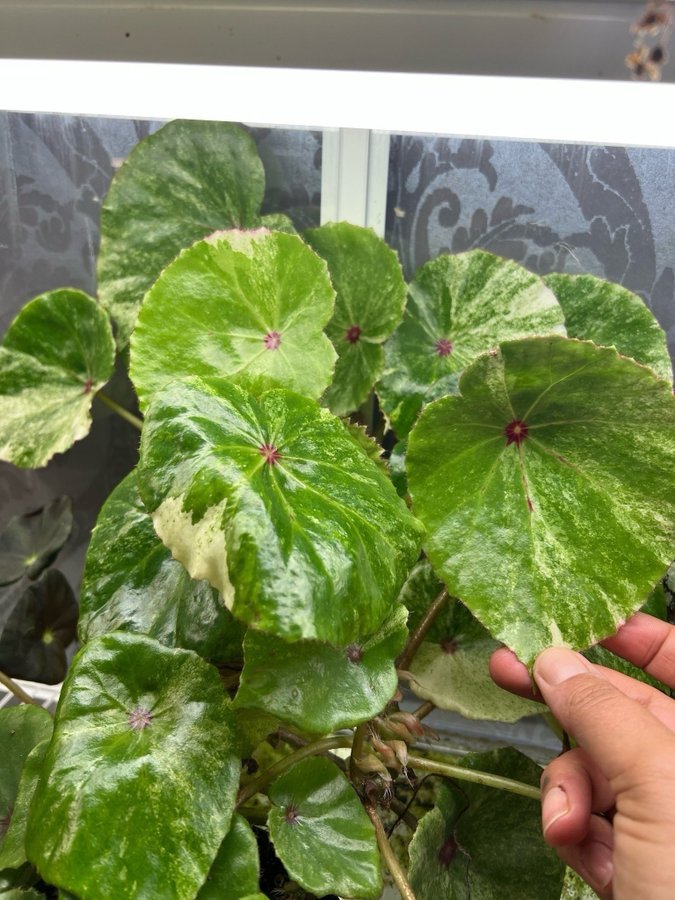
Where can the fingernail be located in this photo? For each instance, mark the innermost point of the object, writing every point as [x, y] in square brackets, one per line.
[557, 664]
[597, 860]
[554, 806]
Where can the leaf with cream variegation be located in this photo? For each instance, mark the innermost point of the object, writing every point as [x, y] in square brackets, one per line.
[274, 502]
[547, 492]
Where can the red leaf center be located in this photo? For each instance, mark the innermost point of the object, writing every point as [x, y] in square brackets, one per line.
[270, 454]
[353, 334]
[515, 432]
[444, 347]
[272, 340]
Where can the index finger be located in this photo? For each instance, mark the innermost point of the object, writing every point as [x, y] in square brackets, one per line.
[649, 644]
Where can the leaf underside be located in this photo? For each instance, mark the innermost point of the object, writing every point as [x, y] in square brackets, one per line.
[555, 535]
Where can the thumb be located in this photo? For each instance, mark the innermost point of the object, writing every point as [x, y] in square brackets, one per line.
[621, 736]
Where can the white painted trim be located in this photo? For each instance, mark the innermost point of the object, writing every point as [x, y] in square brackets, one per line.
[625, 114]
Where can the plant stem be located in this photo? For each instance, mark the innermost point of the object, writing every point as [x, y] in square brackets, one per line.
[120, 410]
[388, 855]
[360, 736]
[256, 815]
[315, 749]
[424, 710]
[485, 778]
[18, 692]
[420, 632]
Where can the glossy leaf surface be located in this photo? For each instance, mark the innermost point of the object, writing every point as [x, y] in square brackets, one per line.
[31, 542]
[235, 872]
[547, 490]
[13, 844]
[458, 306]
[180, 184]
[370, 299]
[38, 630]
[142, 760]
[485, 843]
[322, 834]
[608, 314]
[21, 729]
[451, 666]
[56, 354]
[317, 687]
[132, 583]
[276, 505]
[247, 305]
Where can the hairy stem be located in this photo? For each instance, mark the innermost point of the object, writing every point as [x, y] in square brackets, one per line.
[388, 855]
[318, 747]
[420, 632]
[120, 410]
[18, 691]
[484, 778]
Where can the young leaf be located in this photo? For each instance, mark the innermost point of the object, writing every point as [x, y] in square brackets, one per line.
[608, 314]
[235, 872]
[248, 305]
[317, 687]
[13, 846]
[39, 629]
[451, 666]
[371, 293]
[322, 834]
[178, 185]
[482, 842]
[132, 583]
[276, 505]
[547, 490]
[21, 729]
[458, 306]
[32, 542]
[56, 354]
[144, 743]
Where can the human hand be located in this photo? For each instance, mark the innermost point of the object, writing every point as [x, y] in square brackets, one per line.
[608, 805]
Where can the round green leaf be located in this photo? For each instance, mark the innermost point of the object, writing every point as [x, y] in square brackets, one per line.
[322, 834]
[41, 626]
[370, 299]
[178, 185]
[132, 583]
[458, 306]
[55, 355]
[142, 760]
[13, 846]
[608, 314]
[575, 888]
[451, 666]
[32, 542]
[274, 503]
[21, 729]
[547, 490]
[249, 305]
[235, 872]
[485, 843]
[317, 687]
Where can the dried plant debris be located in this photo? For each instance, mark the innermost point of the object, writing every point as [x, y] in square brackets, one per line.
[652, 33]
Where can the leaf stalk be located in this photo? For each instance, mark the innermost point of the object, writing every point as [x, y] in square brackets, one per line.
[120, 410]
[388, 855]
[485, 778]
[18, 691]
[316, 749]
[420, 632]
